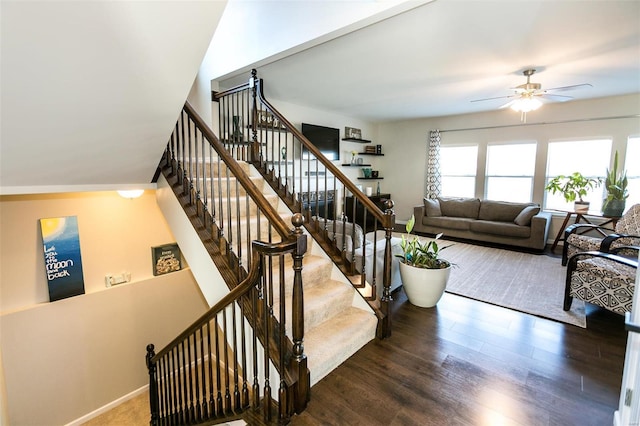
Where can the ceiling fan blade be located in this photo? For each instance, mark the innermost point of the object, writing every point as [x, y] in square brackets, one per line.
[491, 99]
[559, 98]
[563, 88]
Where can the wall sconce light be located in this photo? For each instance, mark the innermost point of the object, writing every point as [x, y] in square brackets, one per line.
[131, 193]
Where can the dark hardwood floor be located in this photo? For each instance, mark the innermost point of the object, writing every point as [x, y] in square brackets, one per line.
[470, 363]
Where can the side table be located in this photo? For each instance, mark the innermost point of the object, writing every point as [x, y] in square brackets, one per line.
[582, 216]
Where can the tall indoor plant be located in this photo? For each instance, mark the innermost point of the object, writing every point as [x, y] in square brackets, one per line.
[616, 186]
[573, 187]
[424, 274]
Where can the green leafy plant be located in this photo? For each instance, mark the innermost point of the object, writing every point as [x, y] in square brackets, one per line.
[421, 255]
[615, 184]
[573, 187]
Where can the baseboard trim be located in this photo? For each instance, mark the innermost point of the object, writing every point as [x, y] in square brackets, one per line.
[108, 406]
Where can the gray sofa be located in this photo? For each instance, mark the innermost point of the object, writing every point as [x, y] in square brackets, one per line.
[515, 224]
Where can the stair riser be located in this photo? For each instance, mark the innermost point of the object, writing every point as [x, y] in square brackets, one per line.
[212, 168]
[226, 186]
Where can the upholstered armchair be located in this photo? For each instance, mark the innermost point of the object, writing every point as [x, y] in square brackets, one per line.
[603, 279]
[626, 233]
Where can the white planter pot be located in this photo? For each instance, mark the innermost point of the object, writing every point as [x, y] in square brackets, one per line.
[581, 206]
[424, 287]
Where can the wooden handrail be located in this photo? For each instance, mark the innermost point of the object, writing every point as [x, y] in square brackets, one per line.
[276, 221]
[258, 84]
[233, 295]
[362, 198]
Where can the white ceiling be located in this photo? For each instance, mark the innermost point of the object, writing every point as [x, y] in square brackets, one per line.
[434, 59]
[91, 90]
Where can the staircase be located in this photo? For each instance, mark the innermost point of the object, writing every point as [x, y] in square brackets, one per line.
[338, 321]
[287, 320]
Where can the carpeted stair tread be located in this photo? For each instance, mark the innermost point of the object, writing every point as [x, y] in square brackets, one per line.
[320, 303]
[335, 340]
[233, 204]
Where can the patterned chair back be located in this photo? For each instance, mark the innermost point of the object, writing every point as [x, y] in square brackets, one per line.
[630, 222]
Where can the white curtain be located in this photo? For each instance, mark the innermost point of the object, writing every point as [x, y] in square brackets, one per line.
[433, 178]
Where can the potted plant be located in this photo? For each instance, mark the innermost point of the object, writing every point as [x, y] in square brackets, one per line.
[573, 187]
[424, 274]
[616, 186]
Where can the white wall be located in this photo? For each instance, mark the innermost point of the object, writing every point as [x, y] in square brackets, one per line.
[103, 80]
[406, 141]
[62, 360]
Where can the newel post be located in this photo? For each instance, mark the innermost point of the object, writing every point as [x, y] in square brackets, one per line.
[153, 386]
[384, 328]
[299, 360]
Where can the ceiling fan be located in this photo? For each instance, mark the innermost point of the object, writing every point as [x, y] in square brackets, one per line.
[526, 97]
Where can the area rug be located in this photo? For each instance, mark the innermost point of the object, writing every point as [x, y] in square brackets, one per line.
[530, 283]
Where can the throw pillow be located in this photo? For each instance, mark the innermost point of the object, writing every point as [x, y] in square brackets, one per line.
[432, 207]
[525, 216]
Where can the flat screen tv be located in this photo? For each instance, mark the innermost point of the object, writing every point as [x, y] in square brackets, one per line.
[326, 139]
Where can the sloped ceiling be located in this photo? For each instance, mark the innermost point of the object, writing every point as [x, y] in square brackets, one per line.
[434, 59]
[90, 89]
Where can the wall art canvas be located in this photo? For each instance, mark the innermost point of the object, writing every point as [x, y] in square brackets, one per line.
[62, 259]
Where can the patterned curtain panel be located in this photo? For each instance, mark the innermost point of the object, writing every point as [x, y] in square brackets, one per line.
[433, 179]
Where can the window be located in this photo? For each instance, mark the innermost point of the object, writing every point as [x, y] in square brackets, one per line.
[458, 166]
[632, 166]
[591, 158]
[510, 170]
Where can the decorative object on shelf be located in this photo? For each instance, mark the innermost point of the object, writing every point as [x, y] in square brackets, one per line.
[284, 152]
[266, 119]
[352, 133]
[369, 191]
[166, 259]
[424, 274]
[62, 258]
[378, 187]
[366, 171]
[374, 174]
[378, 149]
[360, 161]
[353, 157]
[371, 150]
[616, 186]
[573, 187]
[237, 135]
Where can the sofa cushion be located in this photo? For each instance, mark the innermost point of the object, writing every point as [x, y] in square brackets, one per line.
[432, 207]
[525, 216]
[500, 228]
[460, 207]
[500, 211]
[461, 223]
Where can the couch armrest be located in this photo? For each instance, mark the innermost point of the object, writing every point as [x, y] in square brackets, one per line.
[540, 225]
[419, 212]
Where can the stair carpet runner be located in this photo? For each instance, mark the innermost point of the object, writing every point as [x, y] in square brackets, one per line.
[338, 321]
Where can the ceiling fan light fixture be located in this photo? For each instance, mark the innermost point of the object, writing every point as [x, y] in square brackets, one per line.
[526, 104]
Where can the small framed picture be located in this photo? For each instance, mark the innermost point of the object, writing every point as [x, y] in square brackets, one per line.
[352, 133]
[266, 119]
[166, 258]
